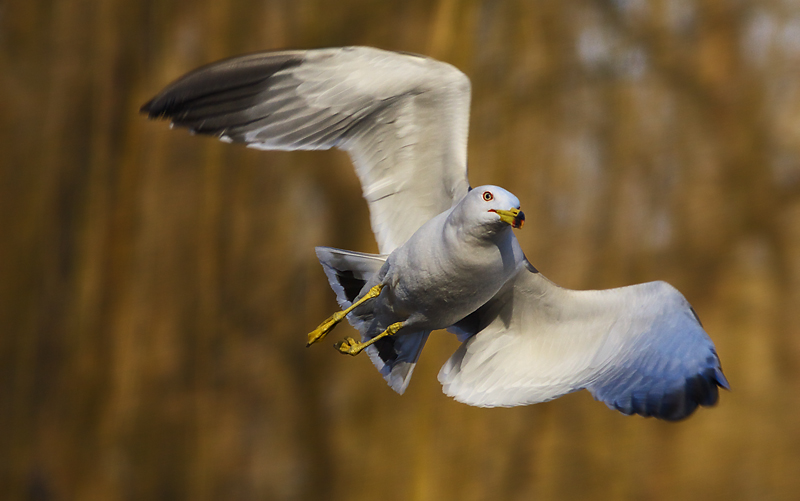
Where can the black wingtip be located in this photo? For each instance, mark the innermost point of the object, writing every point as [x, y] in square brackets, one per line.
[217, 80]
[721, 380]
[166, 104]
[700, 390]
[148, 109]
[160, 106]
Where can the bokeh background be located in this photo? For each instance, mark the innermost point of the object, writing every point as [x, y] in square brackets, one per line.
[156, 288]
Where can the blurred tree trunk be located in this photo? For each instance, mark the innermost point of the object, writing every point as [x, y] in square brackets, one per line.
[155, 291]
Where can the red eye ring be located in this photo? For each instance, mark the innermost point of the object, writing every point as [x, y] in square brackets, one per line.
[487, 195]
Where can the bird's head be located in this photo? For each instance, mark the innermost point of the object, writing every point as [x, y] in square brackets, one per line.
[494, 207]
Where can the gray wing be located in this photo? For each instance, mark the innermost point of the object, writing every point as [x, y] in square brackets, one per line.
[402, 118]
[639, 349]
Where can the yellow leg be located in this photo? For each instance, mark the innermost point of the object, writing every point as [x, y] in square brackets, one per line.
[325, 327]
[350, 346]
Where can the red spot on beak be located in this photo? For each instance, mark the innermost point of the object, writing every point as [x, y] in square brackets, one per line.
[519, 221]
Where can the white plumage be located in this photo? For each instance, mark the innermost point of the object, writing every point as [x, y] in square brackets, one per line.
[448, 260]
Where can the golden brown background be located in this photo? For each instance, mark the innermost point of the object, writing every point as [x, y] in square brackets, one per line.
[156, 288]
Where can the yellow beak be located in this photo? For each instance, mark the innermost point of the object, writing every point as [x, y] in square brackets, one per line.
[514, 217]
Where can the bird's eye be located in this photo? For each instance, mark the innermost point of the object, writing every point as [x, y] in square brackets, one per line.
[487, 195]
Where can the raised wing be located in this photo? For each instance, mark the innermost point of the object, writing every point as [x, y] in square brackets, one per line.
[403, 119]
[639, 349]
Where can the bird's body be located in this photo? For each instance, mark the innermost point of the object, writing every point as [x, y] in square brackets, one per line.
[449, 258]
[449, 268]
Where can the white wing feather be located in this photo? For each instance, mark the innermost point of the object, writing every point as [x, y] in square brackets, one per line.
[402, 118]
[640, 349]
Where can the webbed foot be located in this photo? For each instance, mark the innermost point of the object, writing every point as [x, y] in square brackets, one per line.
[350, 346]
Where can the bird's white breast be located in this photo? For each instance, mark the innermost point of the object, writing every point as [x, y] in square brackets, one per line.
[445, 277]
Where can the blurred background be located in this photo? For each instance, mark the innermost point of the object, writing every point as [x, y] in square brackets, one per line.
[156, 288]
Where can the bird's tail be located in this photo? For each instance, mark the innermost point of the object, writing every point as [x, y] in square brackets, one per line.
[348, 273]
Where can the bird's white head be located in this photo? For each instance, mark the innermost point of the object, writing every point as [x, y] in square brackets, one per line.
[493, 206]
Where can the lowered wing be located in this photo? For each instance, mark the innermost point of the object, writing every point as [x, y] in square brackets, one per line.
[640, 349]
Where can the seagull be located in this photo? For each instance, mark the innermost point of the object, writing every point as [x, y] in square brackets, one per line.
[448, 258]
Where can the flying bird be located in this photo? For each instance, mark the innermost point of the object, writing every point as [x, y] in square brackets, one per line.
[448, 258]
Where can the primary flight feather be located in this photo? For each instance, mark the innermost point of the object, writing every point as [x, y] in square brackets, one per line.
[449, 258]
